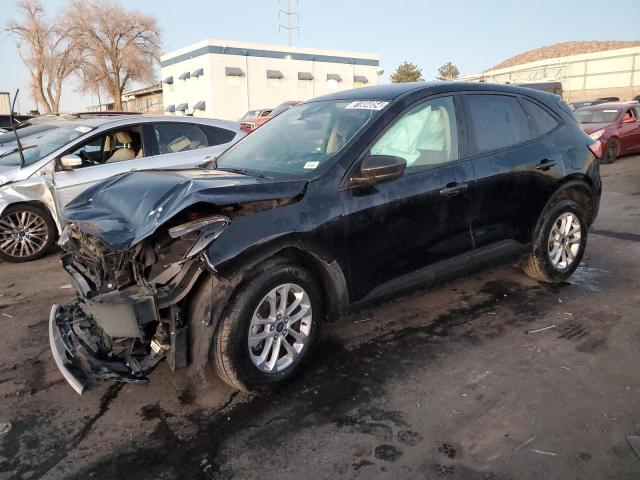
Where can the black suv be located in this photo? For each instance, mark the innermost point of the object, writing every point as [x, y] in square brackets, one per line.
[337, 201]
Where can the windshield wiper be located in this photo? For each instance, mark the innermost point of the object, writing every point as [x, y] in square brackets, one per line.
[15, 131]
[241, 171]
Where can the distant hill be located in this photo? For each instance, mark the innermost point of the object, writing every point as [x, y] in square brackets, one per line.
[564, 49]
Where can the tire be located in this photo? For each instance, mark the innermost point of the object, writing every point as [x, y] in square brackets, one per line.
[235, 361]
[611, 153]
[37, 238]
[541, 263]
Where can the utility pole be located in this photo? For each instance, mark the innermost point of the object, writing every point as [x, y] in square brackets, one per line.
[289, 27]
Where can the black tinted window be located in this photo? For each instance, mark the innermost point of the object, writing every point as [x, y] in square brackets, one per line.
[539, 120]
[496, 121]
[217, 136]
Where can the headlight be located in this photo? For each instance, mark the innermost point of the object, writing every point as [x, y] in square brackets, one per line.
[597, 134]
[198, 224]
[210, 228]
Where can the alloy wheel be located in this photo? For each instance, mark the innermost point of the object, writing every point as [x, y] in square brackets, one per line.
[22, 234]
[564, 240]
[280, 328]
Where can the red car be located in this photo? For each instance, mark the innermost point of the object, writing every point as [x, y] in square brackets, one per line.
[615, 124]
[251, 123]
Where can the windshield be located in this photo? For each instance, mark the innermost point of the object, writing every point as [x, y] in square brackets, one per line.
[299, 141]
[43, 146]
[597, 115]
[25, 132]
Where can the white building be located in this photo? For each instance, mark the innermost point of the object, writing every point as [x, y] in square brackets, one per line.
[225, 79]
[587, 70]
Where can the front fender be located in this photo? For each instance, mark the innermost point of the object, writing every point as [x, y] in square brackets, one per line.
[32, 191]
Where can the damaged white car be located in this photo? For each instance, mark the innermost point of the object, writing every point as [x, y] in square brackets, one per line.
[54, 166]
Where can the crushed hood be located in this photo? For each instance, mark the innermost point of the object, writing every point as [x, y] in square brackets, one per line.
[127, 208]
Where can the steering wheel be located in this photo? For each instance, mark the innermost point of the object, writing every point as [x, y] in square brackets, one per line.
[86, 158]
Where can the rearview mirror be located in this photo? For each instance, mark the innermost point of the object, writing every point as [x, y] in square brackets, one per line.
[69, 162]
[629, 120]
[379, 168]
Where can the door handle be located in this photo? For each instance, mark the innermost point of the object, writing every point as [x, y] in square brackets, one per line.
[453, 189]
[545, 164]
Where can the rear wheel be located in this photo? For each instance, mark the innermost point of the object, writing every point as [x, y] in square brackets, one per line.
[559, 242]
[26, 233]
[611, 153]
[269, 330]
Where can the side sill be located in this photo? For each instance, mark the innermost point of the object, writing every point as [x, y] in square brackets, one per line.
[479, 259]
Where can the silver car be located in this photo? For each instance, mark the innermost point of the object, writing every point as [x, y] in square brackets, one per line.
[66, 160]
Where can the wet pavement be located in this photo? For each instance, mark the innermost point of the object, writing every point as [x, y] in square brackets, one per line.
[493, 376]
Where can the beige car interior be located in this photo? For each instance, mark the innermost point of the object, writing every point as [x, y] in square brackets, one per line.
[129, 150]
[184, 143]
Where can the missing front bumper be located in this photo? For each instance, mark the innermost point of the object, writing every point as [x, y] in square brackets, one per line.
[80, 363]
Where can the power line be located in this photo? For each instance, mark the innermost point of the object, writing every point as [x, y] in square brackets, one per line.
[289, 27]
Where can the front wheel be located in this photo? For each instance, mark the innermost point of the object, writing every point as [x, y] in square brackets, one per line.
[26, 233]
[558, 243]
[611, 153]
[269, 330]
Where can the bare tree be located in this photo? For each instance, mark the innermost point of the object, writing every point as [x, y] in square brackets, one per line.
[45, 50]
[118, 46]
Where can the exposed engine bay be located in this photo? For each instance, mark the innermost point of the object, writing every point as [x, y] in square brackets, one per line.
[127, 317]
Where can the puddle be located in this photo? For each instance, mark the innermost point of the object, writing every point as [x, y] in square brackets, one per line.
[589, 278]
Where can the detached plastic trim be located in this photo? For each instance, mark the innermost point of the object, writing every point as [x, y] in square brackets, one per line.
[59, 352]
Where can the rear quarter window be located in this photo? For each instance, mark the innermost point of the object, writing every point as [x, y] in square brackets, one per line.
[496, 122]
[540, 121]
[217, 135]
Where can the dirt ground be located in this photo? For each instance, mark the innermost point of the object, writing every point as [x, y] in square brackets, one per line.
[442, 384]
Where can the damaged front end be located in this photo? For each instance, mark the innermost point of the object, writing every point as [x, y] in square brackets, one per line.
[128, 315]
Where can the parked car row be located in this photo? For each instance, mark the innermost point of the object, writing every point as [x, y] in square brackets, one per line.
[254, 118]
[616, 125]
[346, 198]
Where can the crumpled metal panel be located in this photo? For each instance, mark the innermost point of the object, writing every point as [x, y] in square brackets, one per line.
[35, 189]
[125, 209]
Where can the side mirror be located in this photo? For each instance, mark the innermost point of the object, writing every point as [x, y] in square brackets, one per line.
[379, 168]
[69, 162]
[629, 120]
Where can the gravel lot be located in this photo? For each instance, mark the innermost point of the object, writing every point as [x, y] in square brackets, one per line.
[446, 383]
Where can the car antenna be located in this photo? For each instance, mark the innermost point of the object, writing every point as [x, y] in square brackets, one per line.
[15, 131]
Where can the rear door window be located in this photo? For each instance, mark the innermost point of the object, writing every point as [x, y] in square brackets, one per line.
[496, 122]
[540, 121]
[179, 137]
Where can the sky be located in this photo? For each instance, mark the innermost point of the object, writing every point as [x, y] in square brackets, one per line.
[473, 34]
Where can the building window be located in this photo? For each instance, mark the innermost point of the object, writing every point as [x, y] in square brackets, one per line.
[305, 76]
[185, 76]
[274, 74]
[168, 80]
[334, 76]
[360, 79]
[200, 105]
[183, 107]
[198, 72]
[170, 109]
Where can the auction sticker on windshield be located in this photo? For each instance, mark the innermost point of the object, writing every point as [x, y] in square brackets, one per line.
[367, 105]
